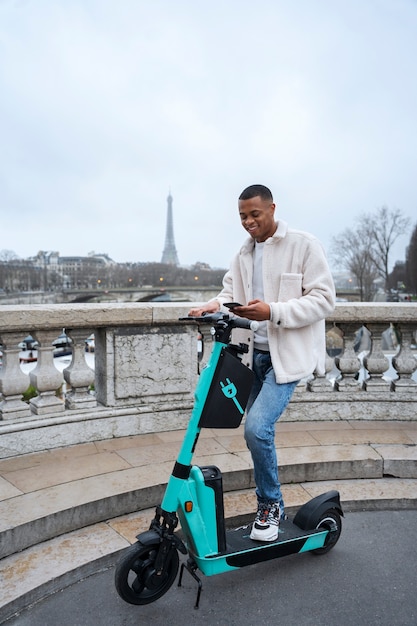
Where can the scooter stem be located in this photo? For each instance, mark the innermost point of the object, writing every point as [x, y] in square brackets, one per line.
[182, 466]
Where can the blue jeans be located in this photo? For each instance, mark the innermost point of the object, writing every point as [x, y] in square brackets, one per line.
[267, 402]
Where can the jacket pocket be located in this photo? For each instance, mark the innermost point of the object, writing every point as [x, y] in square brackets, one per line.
[297, 352]
[290, 287]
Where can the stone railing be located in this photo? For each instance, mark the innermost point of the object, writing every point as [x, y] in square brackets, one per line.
[146, 367]
[371, 366]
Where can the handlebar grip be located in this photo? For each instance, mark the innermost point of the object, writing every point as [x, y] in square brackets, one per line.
[242, 322]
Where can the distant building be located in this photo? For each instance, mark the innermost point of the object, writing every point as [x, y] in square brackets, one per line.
[71, 272]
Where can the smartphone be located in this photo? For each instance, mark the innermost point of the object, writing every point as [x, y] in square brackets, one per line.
[231, 305]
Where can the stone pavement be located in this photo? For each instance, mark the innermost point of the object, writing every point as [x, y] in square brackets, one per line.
[66, 513]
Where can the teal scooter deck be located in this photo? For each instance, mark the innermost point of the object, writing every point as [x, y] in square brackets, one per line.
[241, 550]
[291, 539]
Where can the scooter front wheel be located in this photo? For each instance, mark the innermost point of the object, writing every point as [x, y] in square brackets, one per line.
[135, 577]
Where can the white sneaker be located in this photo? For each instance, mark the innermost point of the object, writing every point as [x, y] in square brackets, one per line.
[265, 526]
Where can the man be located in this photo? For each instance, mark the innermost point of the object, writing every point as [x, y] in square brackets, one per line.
[281, 279]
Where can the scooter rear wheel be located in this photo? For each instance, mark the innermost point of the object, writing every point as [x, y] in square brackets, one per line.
[135, 577]
[330, 520]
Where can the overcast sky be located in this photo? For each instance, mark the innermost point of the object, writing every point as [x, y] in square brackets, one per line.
[107, 105]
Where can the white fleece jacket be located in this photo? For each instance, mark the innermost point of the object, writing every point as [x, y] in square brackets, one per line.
[299, 288]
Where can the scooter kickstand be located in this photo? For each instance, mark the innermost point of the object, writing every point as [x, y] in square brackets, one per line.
[191, 567]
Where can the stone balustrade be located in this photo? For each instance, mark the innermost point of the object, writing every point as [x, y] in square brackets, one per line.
[146, 367]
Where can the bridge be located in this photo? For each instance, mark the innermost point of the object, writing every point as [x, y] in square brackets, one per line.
[148, 293]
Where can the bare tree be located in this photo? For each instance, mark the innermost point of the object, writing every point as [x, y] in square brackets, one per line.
[365, 250]
[382, 229]
[351, 249]
[8, 255]
[411, 263]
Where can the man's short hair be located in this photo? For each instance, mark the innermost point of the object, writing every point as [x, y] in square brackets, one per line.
[256, 190]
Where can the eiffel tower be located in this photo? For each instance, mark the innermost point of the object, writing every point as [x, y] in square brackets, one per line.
[169, 255]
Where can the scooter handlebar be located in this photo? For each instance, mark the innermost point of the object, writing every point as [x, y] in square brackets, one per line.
[234, 321]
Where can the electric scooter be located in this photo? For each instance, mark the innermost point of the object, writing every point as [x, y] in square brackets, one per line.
[194, 495]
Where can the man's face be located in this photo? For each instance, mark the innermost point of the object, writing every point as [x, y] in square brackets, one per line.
[257, 217]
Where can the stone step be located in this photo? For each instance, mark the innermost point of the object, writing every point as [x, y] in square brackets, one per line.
[41, 514]
[66, 512]
[49, 566]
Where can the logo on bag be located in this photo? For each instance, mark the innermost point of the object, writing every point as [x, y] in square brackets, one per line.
[230, 391]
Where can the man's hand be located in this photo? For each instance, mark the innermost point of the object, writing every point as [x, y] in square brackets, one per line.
[210, 307]
[254, 310]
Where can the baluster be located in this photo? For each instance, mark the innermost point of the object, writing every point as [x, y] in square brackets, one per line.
[404, 362]
[45, 377]
[78, 374]
[334, 346]
[319, 383]
[13, 382]
[376, 362]
[348, 363]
